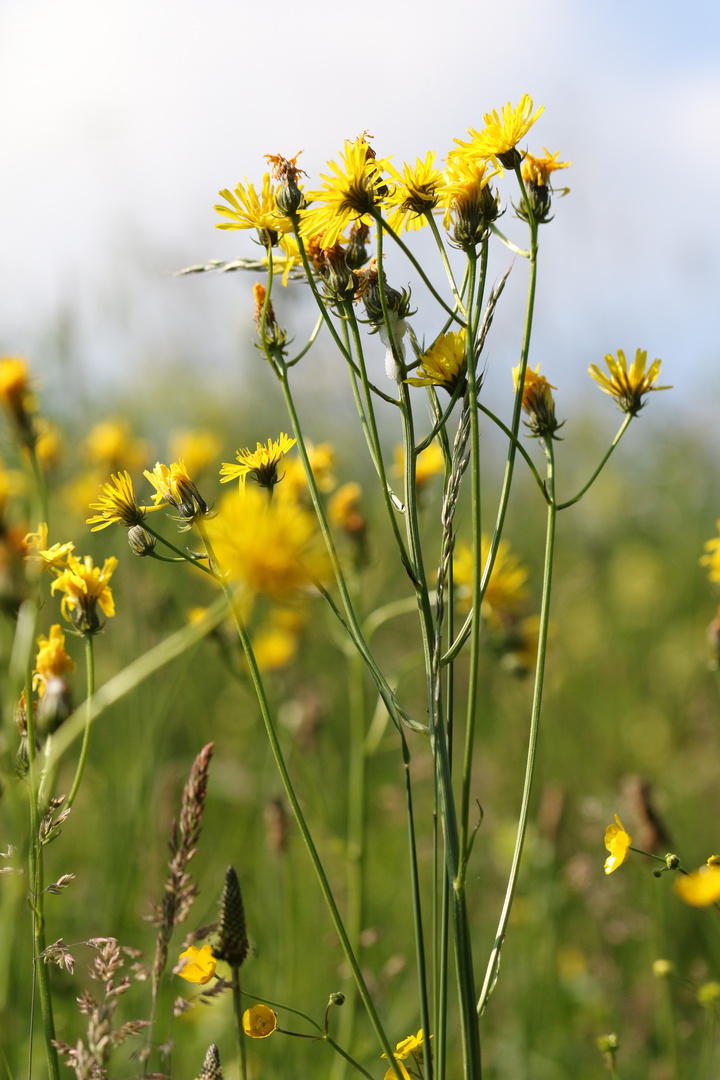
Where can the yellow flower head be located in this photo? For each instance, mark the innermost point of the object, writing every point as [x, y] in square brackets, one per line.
[285, 258]
[470, 205]
[537, 170]
[500, 136]
[40, 557]
[700, 888]
[198, 449]
[428, 464]
[173, 485]
[112, 446]
[85, 588]
[506, 590]
[415, 195]
[272, 549]
[275, 643]
[48, 446]
[350, 194]
[628, 387]
[712, 557]
[413, 1044]
[294, 487]
[261, 464]
[618, 842]
[248, 210]
[52, 661]
[537, 401]
[259, 1022]
[196, 965]
[443, 363]
[16, 395]
[117, 505]
[344, 510]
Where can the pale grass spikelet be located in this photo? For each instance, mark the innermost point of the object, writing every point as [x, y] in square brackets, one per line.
[211, 1068]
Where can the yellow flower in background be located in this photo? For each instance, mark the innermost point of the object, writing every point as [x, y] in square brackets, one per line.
[85, 588]
[197, 447]
[248, 210]
[117, 505]
[700, 888]
[111, 446]
[348, 196]
[628, 387]
[51, 661]
[415, 195]
[40, 556]
[618, 842]
[501, 134]
[294, 487]
[443, 363]
[712, 557]
[260, 464]
[506, 591]
[15, 391]
[259, 1022]
[537, 170]
[273, 549]
[196, 965]
[344, 510]
[428, 464]
[276, 641]
[48, 445]
[173, 485]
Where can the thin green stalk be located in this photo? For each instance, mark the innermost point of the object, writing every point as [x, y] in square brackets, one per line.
[706, 1056]
[279, 757]
[491, 972]
[82, 760]
[446, 263]
[623, 428]
[184, 555]
[238, 1012]
[309, 344]
[519, 446]
[669, 1028]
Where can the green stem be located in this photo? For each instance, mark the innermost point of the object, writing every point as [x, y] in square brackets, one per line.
[82, 761]
[237, 1010]
[184, 555]
[623, 428]
[492, 967]
[448, 270]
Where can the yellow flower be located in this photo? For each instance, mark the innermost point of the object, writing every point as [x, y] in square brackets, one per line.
[294, 487]
[413, 1044]
[117, 505]
[536, 170]
[443, 363]
[415, 195]
[428, 464]
[286, 257]
[48, 446]
[52, 661]
[275, 644]
[618, 842]
[712, 558]
[111, 446]
[16, 395]
[173, 485]
[628, 387]
[467, 198]
[506, 592]
[40, 556]
[261, 465]
[85, 588]
[500, 136]
[272, 549]
[700, 888]
[196, 965]
[349, 195]
[537, 401]
[344, 510]
[248, 210]
[259, 1022]
[198, 449]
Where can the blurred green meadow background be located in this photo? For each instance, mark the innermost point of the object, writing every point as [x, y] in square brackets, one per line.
[631, 699]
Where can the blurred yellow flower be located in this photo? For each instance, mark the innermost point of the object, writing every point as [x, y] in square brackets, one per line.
[16, 395]
[248, 210]
[443, 363]
[261, 464]
[51, 661]
[349, 195]
[196, 965]
[112, 446]
[505, 593]
[39, 556]
[537, 170]
[415, 194]
[48, 446]
[344, 510]
[618, 842]
[322, 462]
[275, 643]
[501, 134]
[273, 549]
[428, 464]
[85, 588]
[259, 1022]
[198, 448]
[628, 387]
[712, 557]
[700, 888]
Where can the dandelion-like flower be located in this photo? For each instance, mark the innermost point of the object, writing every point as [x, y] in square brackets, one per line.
[499, 138]
[259, 1022]
[198, 448]
[469, 203]
[85, 588]
[261, 464]
[618, 842]
[350, 194]
[537, 401]
[506, 590]
[415, 195]
[628, 387]
[537, 170]
[699, 888]
[41, 557]
[711, 558]
[16, 395]
[248, 210]
[443, 363]
[173, 485]
[52, 660]
[117, 505]
[197, 965]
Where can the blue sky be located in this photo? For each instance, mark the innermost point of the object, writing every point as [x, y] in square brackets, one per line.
[120, 122]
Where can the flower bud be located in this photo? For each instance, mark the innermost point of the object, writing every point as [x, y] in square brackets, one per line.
[672, 861]
[140, 541]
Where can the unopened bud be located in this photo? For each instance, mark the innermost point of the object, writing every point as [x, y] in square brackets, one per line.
[140, 541]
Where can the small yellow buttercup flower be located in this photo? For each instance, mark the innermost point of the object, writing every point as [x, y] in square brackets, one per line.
[413, 1044]
[700, 888]
[628, 387]
[196, 965]
[618, 842]
[443, 363]
[261, 464]
[85, 588]
[259, 1022]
